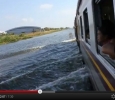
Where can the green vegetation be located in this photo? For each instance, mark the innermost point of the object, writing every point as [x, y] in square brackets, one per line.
[9, 38]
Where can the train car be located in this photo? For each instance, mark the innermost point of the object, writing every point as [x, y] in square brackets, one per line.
[89, 16]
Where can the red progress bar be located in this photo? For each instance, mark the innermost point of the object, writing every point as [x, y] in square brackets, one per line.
[18, 91]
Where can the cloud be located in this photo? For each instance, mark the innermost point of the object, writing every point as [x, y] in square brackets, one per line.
[67, 11]
[46, 6]
[24, 19]
[28, 20]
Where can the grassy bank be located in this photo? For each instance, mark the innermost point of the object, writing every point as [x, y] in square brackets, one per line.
[9, 38]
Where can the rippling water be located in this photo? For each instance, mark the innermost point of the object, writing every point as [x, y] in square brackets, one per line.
[49, 62]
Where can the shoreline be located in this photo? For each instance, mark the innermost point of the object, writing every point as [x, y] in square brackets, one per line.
[11, 38]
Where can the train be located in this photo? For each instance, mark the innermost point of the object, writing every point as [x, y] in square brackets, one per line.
[88, 17]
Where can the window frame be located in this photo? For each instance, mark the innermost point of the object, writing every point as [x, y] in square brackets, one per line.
[85, 25]
[104, 56]
[81, 26]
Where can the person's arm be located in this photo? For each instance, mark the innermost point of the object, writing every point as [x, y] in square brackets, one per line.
[109, 49]
[114, 48]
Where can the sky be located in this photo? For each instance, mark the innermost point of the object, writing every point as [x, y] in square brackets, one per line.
[41, 13]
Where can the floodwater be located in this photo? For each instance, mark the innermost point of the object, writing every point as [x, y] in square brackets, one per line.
[48, 62]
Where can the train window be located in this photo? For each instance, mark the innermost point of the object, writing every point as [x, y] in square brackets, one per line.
[104, 11]
[81, 27]
[86, 26]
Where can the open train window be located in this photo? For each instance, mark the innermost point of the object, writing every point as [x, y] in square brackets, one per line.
[103, 10]
[81, 27]
[86, 26]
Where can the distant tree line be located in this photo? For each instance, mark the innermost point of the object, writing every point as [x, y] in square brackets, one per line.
[48, 28]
